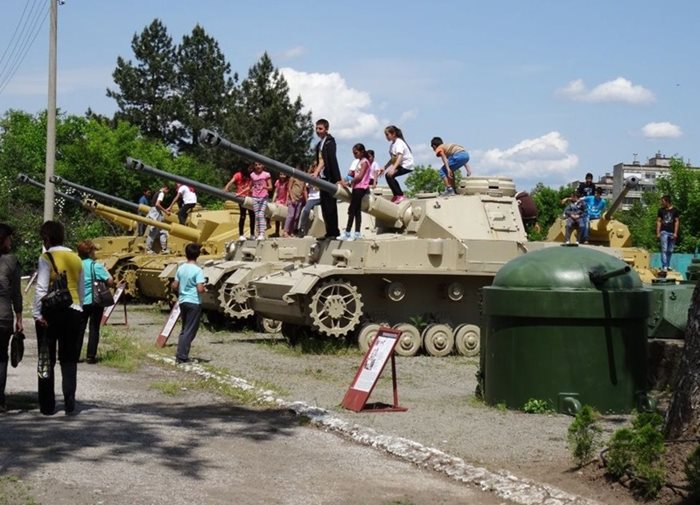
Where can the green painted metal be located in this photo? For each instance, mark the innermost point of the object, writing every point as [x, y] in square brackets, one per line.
[567, 325]
[670, 305]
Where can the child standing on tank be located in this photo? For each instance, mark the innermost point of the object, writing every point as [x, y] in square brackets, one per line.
[453, 158]
[295, 202]
[242, 184]
[374, 169]
[360, 184]
[400, 162]
[312, 197]
[189, 285]
[280, 197]
[260, 192]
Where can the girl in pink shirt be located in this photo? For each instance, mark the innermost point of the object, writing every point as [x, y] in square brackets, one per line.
[280, 197]
[260, 191]
[360, 184]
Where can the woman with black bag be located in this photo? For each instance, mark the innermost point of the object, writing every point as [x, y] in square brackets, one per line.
[10, 303]
[93, 306]
[59, 323]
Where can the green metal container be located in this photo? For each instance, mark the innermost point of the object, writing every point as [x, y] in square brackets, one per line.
[567, 325]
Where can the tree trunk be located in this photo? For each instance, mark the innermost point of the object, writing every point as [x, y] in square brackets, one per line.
[683, 418]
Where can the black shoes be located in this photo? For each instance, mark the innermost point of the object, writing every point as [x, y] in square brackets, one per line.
[70, 405]
[90, 360]
[179, 361]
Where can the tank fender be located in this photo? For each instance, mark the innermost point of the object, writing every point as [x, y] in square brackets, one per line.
[250, 270]
[310, 278]
[214, 273]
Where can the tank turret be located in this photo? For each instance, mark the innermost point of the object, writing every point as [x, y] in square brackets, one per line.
[274, 211]
[604, 231]
[492, 215]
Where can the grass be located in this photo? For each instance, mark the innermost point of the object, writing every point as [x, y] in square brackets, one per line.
[315, 346]
[120, 351]
[14, 491]
[170, 388]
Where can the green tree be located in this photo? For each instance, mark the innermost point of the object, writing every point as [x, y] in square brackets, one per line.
[207, 91]
[549, 207]
[424, 179]
[272, 124]
[147, 94]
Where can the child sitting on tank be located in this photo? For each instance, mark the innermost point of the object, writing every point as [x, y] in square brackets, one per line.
[575, 214]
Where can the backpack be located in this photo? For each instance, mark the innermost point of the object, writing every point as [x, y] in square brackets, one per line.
[58, 297]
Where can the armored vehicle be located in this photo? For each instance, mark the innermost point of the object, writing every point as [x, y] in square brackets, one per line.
[423, 270]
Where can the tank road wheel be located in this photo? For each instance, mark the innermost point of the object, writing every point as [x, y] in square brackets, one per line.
[336, 307]
[409, 342]
[127, 273]
[235, 300]
[468, 339]
[366, 335]
[438, 340]
[267, 325]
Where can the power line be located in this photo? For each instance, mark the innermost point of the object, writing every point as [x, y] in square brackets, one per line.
[20, 49]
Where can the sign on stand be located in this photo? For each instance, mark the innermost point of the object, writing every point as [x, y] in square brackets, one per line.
[31, 281]
[107, 312]
[372, 366]
[169, 325]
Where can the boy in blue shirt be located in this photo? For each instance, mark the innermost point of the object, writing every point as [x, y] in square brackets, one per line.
[595, 205]
[189, 283]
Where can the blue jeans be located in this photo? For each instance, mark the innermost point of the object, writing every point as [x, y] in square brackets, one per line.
[667, 243]
[456, 161]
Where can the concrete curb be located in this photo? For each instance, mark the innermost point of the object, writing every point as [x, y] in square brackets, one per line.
[503, 484]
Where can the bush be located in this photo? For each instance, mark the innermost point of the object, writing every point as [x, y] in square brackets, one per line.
[692, 472]
[584, 435]
[424, 180]
[637, 452]
[535, 406]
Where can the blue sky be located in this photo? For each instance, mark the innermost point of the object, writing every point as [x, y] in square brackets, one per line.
[537, 90]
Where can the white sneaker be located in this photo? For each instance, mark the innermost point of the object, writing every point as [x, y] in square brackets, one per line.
[242, 237]
[344, 236]
[261, 237]
[356, 236]
[150, 251]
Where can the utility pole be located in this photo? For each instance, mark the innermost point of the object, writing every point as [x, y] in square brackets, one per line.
[51, 115]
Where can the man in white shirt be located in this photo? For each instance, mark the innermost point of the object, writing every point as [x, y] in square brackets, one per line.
[157, 213]
[188, 197]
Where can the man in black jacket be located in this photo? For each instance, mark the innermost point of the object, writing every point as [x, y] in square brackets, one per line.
[328, 170]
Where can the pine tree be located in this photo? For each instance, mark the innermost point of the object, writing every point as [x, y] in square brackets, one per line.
[147, 94]
[273, 124]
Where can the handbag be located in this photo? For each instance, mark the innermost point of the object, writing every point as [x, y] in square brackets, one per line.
[101, 295]
[16, 349]
[58, 297]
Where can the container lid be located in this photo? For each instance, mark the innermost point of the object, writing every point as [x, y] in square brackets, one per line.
[567, 267]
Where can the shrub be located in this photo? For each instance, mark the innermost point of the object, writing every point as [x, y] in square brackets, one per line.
[535, 406]
[584, 435]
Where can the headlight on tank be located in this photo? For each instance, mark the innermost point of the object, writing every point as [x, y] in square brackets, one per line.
[314, 252]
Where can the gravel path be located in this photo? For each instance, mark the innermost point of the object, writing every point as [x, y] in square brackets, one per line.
[443, 414]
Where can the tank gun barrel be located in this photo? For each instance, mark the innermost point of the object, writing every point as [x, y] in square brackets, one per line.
[274, 212]
[384, 211]
[24, 178]
[629, 184]
[93, 192]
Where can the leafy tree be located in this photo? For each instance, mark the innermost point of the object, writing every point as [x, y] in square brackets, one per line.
[271, 123]
[424, 179]
[549, 207]
[147, 94]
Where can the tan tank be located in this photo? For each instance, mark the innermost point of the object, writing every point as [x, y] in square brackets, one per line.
[611, 233]
[422, 272]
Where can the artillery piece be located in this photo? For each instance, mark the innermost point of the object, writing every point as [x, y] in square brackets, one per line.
[425, 266]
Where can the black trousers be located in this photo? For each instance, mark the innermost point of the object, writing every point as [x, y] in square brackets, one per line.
[190, 313]
[393, 183]
[91, 320]
[355, 209]
[329, 210]
[242, 212]
[5, 335]
[63, 329]
[184, 210]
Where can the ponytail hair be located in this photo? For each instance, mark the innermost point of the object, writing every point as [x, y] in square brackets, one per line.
[361, 149]
[395, 130]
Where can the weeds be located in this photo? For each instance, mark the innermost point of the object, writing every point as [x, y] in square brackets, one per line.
[535, 406]
[170, 388]
[120, 351]
[584, 435]
[14, 492]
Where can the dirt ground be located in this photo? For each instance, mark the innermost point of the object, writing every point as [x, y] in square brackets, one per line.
[439, 393]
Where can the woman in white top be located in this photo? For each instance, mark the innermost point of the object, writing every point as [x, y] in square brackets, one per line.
[401, 162]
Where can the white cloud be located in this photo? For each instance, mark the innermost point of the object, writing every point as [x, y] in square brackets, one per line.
[329, 96]
[531, 158]
[617, 90]
[292, 52]
[662, 130]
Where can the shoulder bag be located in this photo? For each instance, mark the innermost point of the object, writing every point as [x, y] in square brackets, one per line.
[101, 295]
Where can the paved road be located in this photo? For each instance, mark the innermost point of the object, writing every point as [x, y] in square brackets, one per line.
[131, 444]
